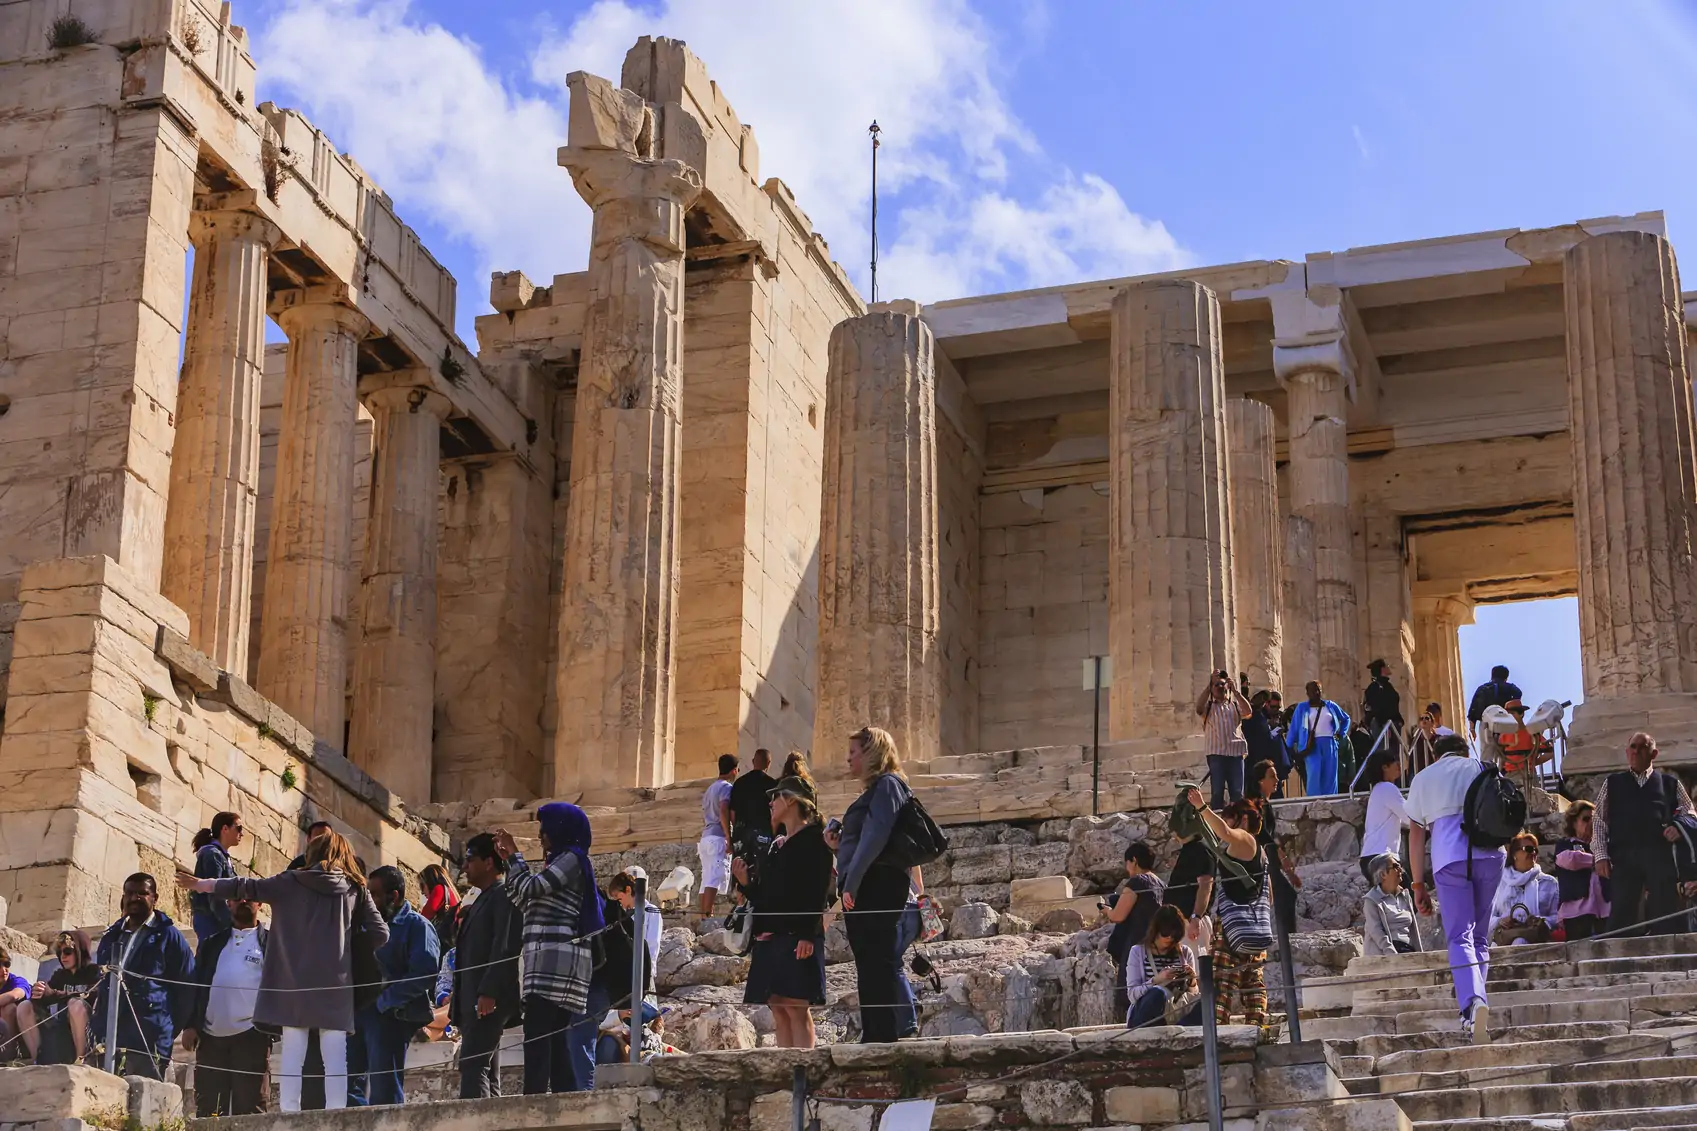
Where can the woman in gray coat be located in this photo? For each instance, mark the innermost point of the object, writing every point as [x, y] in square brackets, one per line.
[307, 980]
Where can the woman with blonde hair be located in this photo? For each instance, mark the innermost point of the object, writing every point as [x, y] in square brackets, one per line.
[316, 910]
[875, 890]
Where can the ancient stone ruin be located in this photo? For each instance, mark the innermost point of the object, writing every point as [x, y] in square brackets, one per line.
[697, 497]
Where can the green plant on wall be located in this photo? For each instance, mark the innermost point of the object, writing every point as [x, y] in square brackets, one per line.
[149, 705]
[264, 730]
[289, 778]
[68, 32]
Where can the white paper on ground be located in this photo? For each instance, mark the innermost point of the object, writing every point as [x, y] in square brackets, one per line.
[909, 1115]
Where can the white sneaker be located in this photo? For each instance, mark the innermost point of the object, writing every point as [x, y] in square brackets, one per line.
[1478, 1026]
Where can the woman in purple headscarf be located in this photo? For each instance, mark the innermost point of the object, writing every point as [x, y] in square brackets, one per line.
[562, 911]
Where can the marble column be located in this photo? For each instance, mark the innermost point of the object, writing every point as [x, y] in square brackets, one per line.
[878, 585]
[619, 609]
[1301, 651]
[215, 458]
[1170, 609]
[1257, 542]
[1437, 658]
[1635, 487]
[1386, 610]
[1316, 415]
[303, 646]
[391, 735]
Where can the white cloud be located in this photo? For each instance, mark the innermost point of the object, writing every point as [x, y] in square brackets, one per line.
[424, 114]
[472, 149]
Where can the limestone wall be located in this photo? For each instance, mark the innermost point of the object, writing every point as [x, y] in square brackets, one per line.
[1043, 604]
[94, 211]
[121, 741]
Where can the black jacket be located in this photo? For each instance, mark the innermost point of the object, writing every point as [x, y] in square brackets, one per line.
[492, 932]
[205, 965]
[1382, 705]
[794, 885]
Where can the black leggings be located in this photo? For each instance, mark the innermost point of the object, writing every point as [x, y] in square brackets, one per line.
[877, 962]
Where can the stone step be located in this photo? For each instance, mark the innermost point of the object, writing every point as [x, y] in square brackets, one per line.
[1666, 981]
[1526, 1100]
[1680, 1118]
[1439, 996]
[1384, 1044]
[1510, 1052]
[1555, 1071]
[1506, 1019]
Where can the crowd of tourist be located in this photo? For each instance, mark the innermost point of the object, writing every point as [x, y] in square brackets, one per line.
[348, 974]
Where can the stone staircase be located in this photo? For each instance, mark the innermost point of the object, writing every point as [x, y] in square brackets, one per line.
[1595, 1036]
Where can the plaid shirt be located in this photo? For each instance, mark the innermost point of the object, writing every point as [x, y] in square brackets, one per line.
[557, 966]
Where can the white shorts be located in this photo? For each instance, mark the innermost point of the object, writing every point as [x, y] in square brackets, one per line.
[715, 853]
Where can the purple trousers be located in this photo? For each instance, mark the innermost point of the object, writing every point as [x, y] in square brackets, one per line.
[1466, 905]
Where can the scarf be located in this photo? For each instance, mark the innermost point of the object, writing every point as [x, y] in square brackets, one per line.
[567, 829]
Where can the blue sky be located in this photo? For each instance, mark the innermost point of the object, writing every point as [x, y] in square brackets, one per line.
[1036, 143]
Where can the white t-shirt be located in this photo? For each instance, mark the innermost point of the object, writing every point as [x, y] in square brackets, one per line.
[235, 984]
[1440, 790]
[1320, 723]
[1386, 817]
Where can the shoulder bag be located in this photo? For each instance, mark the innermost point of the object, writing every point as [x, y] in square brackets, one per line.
[1248, 926]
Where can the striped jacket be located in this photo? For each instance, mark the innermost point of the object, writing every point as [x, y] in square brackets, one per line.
[557, 966]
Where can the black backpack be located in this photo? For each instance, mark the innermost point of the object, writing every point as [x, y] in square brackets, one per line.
[1494, 811]
[916, 840]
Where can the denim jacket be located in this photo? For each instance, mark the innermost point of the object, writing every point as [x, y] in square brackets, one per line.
[409, 961]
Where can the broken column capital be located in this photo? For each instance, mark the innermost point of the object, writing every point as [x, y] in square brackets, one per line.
[230, 223]
[606, 176]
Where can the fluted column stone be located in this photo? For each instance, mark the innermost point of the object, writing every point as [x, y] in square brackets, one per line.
[1257, 542]
[209, 514]
[619, 610]
[394, 682]
[1317, 414]
[1635, 488]
[879, 593]
[1301, 651]
[1170, 608]
[1634, 497]
[303, 645]
[1437, 657]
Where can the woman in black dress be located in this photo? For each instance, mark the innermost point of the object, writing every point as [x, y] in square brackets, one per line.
[789, 895]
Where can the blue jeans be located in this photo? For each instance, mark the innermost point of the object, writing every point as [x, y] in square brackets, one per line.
[386, 1039]
[1322, 775]
[1226, 773]
[1467, 923]
[584, 1035]
[1152, 1006]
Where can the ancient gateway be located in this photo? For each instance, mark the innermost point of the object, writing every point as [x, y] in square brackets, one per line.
[695, 496]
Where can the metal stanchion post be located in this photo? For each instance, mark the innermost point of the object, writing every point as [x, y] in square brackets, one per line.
[114, 1002]
[798, 1099]
[638, 955]
[1210, 1044]
[1293, 997]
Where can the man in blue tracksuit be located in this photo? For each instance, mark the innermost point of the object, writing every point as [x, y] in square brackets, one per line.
[1316, 728]
[158, 985]
[410, 961]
